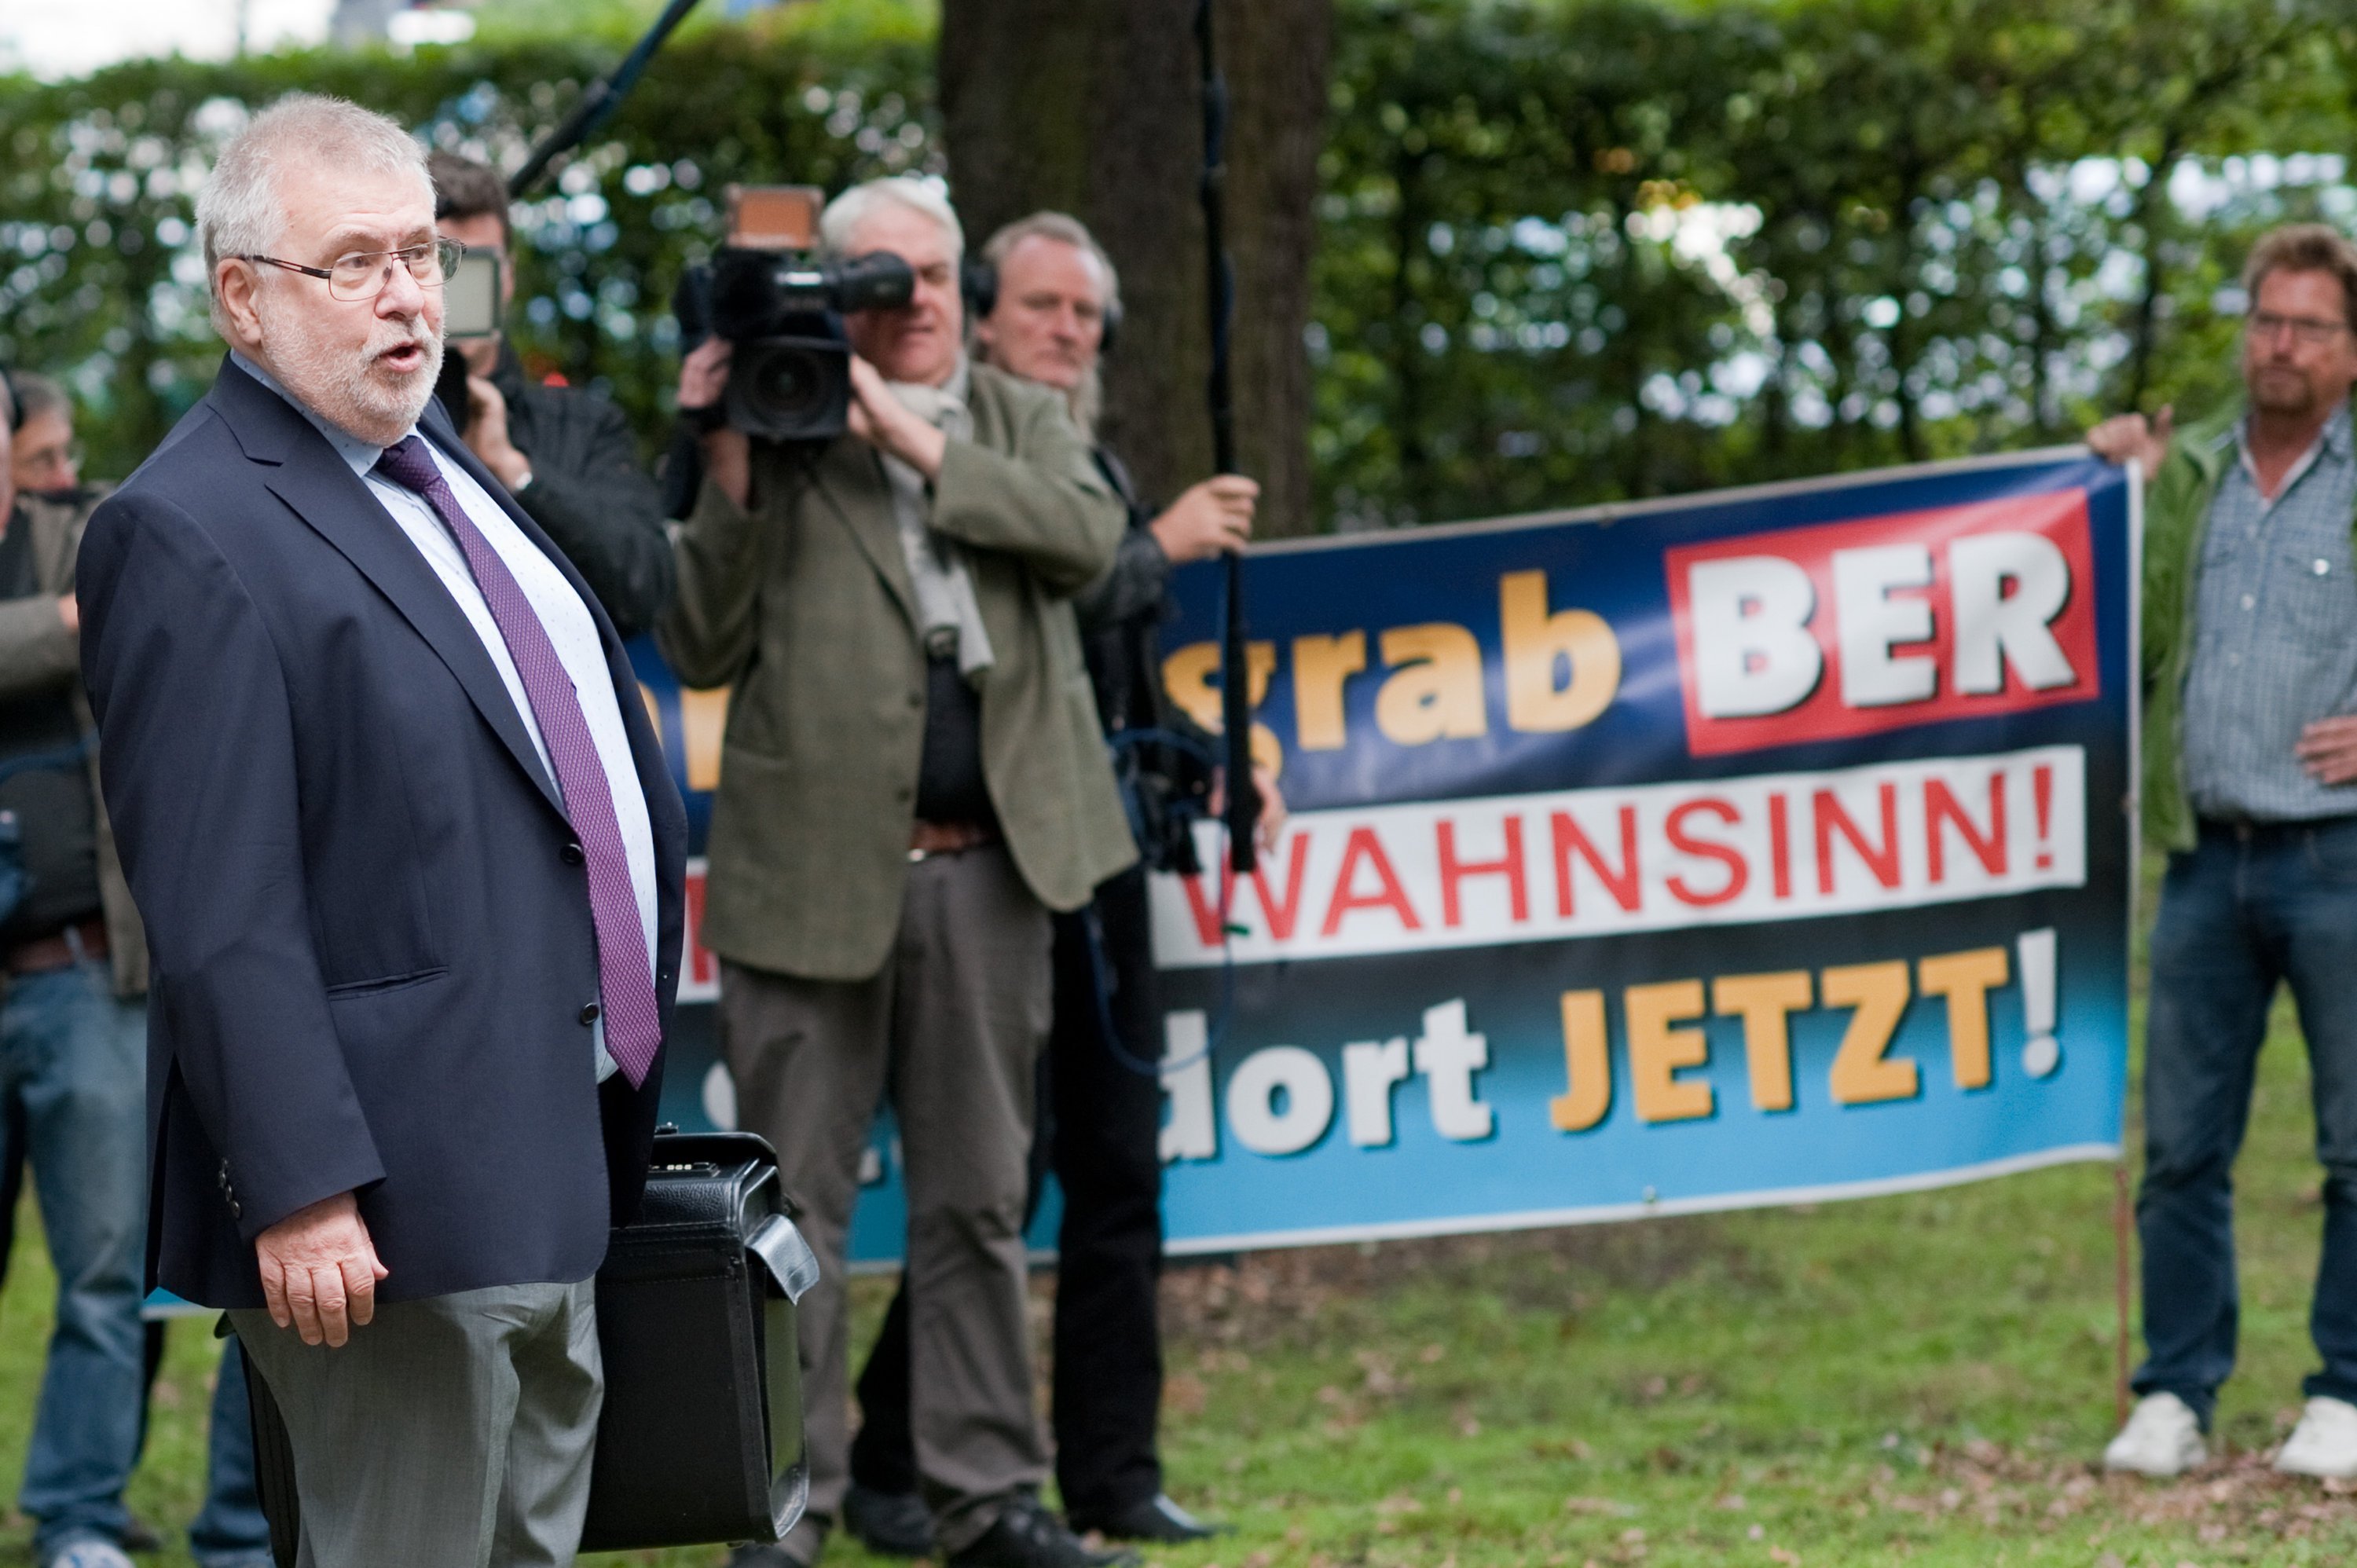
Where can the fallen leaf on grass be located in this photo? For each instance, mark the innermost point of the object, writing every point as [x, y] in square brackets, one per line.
[1597, 1505]
[1185, 1393]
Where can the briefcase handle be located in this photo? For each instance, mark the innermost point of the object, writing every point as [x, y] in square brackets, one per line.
[793, 1267]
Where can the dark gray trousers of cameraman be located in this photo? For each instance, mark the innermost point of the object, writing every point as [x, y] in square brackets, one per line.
[1100, 1125]
[951, 1029]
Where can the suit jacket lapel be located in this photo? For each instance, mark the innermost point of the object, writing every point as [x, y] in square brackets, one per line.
[851, 479]
[322, 489]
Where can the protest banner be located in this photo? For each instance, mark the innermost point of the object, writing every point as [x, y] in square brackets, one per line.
[1747, 848]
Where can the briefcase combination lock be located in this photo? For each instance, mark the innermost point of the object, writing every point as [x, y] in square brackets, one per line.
[701, 1438]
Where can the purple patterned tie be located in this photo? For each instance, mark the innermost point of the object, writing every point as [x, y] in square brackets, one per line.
[633, 1024]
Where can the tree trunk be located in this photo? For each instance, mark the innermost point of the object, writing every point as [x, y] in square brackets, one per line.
[1094, 110]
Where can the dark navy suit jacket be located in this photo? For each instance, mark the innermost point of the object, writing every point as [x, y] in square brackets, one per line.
[372, 933]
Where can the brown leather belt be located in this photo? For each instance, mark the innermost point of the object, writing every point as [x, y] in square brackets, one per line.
[928, 839]
[62, 950]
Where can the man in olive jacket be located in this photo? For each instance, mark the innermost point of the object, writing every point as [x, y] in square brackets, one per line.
[73, 1070]
[2250, 784]
[913, 778]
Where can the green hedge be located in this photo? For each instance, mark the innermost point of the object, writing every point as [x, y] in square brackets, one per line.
[97, 273]
[1570, 251]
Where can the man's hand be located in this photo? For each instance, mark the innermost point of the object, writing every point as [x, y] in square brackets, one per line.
[2328, 748]
[704, 374]
[2126, 435]
[1272, 808]
[1271, 822]
[319, 1271]
[487, 433]
[728, 454]
[70, 612]
[886, 424]
[1209, 518]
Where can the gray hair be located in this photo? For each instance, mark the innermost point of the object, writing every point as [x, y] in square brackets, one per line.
[37, 396]
[1086, 401]
[846, 212]
[1066, 230]
[240, 211]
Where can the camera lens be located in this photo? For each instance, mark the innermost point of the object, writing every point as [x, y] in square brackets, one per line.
[787, 384]
[791, 389]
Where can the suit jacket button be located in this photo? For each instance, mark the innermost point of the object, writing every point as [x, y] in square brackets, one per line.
[589, 1014]
[571, 855]
[234, 1211]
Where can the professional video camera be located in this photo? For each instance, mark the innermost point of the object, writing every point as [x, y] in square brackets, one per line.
[790, 373]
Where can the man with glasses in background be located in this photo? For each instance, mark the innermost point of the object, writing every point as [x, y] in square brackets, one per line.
[2249, 752]
[47, 458]
[73, 1033]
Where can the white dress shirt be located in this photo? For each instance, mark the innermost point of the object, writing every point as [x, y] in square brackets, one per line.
[572, 630]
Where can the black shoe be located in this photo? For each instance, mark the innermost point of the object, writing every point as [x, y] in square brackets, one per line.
[1027, 1536]
[890, 1524]
[141, 1537]
[1157, 1518]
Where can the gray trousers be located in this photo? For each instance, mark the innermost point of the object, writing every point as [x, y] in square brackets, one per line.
[952, 1028]
[449, 1432]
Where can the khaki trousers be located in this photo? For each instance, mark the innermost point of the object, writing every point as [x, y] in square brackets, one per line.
[951, 1029]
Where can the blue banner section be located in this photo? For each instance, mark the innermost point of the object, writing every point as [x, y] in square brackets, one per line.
[1732, 850]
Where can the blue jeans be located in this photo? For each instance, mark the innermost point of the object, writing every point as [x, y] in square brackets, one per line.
[75, 1057]
[230, 1533]
[2249, 908]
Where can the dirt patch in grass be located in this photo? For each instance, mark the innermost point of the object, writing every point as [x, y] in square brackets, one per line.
[2237, 1498]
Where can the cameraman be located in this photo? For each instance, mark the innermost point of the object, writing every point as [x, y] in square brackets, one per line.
[911, 781]
[1044, 312]
[567, 455]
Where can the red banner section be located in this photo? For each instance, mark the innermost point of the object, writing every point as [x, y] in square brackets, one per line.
[1854, 629]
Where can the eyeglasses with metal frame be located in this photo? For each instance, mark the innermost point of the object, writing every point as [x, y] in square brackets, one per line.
[2266, 326]
[362, 274]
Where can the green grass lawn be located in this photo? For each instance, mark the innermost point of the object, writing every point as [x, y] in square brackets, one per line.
[1922, 1380]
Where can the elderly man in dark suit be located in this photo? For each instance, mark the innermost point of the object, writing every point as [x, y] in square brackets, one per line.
[913, 778]
[411, 863]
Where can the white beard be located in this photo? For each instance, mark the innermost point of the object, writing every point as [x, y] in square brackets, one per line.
[354, 392]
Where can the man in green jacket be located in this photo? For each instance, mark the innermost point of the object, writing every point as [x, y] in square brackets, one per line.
[2250, 743]
[912, 779]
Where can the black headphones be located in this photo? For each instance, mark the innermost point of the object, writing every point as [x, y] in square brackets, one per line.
[15, 404]
[978, 282]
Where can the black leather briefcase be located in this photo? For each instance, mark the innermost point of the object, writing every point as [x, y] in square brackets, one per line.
[701, 1437]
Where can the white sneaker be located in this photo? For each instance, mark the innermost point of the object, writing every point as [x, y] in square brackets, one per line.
[89, 1552]
[2324, 1443]
[2163, 1437]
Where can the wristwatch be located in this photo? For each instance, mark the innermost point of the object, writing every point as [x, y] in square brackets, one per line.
[521, 485]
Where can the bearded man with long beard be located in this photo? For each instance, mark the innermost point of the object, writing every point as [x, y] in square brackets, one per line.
[411, 864]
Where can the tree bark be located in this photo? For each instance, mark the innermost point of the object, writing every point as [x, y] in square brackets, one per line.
[1094, 110]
